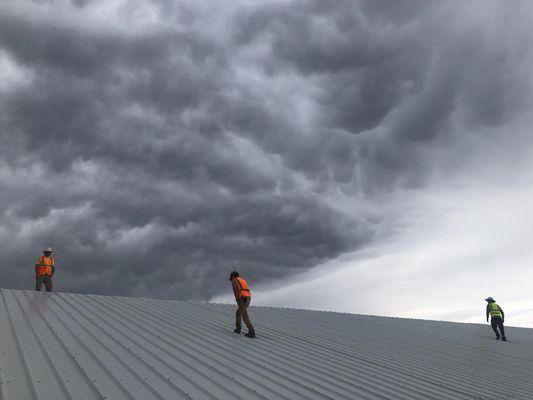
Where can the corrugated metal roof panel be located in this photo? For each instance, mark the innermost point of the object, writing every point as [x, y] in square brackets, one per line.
[65, 346]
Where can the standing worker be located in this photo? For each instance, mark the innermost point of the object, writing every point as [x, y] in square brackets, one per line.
[44, 270]
[497, 317]
[243, 296]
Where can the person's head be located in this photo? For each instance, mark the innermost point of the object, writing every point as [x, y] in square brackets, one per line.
[233, 275]
[47, 252]
[490, 300]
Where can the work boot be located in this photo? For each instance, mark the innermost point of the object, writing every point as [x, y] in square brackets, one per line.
[237, 330]
[504, 339]
[497, 338]
[250, 334]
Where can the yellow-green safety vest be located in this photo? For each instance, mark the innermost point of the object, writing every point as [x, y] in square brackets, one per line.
[495, 310]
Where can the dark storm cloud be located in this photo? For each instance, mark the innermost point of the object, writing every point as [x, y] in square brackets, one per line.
[156, 154]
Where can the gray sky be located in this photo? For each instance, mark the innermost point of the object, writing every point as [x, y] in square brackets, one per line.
[157, 145]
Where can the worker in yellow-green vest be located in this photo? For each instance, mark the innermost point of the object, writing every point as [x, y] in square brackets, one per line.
[497, 317]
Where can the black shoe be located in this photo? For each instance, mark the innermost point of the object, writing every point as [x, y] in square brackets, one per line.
[504, 339]
[497, 338]
[250, 334]
[237, 330]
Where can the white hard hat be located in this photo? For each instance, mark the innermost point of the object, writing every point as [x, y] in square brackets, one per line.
[48, 249]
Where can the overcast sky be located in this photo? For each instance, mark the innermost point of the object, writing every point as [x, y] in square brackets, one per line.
[360, 156]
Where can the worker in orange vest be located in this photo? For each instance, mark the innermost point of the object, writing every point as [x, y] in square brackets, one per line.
[243, 296]
[44, 270]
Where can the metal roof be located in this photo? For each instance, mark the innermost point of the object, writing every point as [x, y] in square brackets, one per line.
[66, 346]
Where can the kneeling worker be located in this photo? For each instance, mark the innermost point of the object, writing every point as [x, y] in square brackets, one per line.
[243, 296]
[44, 270]
[497, 317]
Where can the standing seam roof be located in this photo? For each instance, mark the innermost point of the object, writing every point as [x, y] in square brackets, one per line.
[65, 346]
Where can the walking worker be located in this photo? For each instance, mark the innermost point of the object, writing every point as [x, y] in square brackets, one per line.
[243, 296]
[44, 270]
[497, 317]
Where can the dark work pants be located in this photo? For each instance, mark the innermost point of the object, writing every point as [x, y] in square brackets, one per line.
[242, 312]
[47, 280]
[496, 323]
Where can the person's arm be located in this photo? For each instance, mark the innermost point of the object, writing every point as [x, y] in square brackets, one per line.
[235, 288]
[503, 315]
[487, 312]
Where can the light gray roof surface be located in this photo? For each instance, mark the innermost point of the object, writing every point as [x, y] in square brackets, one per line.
[66, 346]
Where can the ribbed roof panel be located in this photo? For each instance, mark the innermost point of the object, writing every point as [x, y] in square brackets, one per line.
[65, 346]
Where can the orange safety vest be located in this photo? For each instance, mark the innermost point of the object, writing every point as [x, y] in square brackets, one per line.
[44, 265]
[242, 288]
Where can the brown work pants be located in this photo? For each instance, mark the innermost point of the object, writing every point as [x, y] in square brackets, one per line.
[242, 312]
[47, 280]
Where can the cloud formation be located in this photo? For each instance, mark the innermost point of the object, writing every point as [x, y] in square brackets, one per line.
[158, 145]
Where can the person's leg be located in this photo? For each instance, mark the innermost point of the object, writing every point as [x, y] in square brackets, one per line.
[238, 321]
[494, 324]
[502, 330]
[48, 283]
[38, 283]
[244, 311]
